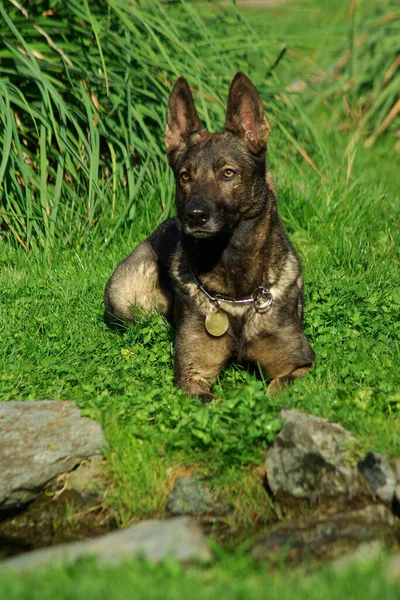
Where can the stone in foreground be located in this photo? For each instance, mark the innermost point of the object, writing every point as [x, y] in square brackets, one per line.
[393, 570]
[383, 475]
[325, 538]
[153, 540]
[38, 441]
[367, 552]
[311, 458]
[193, 497]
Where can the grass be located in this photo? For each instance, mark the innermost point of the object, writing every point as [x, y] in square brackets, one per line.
[368, 72]
[56, 345]
[84, 179]
[82, 94]
[230, 579]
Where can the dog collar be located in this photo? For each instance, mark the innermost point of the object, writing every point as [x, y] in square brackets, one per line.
[261, 297]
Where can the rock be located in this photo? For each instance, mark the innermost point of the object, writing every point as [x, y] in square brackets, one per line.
[396, 503]
[326, 538]
[154, 540]
[365, 553]
[311, 458]
[70, 508]
[383, 475]
[50, 519]
[193, 497]
[393, 568]
[38, 441]
[88, 478]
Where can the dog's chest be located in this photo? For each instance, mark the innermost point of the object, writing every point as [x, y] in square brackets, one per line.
[245, 322]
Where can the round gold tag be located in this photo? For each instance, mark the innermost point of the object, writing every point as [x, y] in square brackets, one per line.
[217, 323]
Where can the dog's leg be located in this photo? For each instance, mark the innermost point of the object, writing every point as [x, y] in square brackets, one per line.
[199, 357]
[137, 283]
[278, 383]
[283, 357]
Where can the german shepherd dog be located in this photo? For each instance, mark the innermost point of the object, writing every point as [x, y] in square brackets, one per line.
[223, 270]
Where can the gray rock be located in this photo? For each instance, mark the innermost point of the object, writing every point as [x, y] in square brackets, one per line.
[38, 441]
[88, 478]
[312, 457]
[383, 475]
[193, 497]
[367, 552]
[154, 540]
[325, 538]
[393, 568]
[397, 494]
[52, 519]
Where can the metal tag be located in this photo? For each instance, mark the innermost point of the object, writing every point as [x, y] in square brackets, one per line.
[216, 323]
[262, 299]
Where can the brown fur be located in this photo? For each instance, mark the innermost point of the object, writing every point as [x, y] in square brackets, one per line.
[228, 233]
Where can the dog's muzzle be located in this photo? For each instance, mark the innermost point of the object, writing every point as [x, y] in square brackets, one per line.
[196, 214]
[196, 220]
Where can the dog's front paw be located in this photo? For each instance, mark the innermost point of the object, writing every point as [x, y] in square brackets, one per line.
[208, 397]
[278, 384]
[199, 388]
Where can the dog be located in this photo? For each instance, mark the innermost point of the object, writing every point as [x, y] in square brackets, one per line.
[222, 271]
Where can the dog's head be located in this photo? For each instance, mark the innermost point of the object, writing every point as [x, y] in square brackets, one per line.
[220, 177]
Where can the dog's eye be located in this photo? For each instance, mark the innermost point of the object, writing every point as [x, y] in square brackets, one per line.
[229, 173]
[184, 176]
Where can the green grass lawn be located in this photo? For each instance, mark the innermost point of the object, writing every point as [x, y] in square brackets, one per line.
[54, 343]
[232, 578]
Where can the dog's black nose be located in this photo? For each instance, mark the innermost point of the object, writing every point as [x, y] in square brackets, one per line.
[196, 213]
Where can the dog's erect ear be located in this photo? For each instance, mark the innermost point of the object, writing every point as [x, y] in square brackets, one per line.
[182, 118]
[245, 115]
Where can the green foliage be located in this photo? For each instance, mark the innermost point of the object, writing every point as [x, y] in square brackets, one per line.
[83, 92]
[56, 345]
[83, 176]
[368, 69]
[232, 578]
